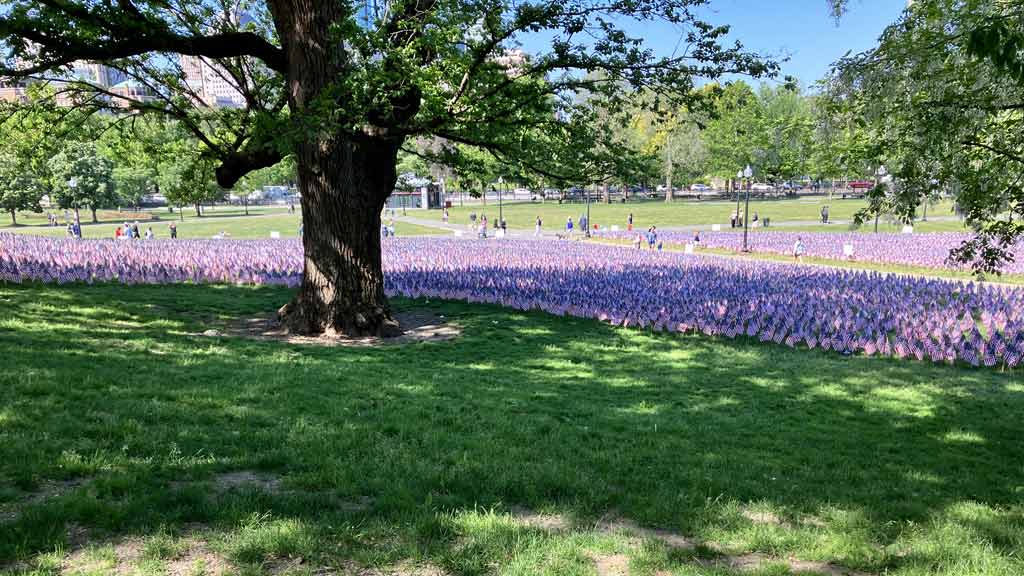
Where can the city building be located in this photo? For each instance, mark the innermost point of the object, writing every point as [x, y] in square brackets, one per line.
[210, 83]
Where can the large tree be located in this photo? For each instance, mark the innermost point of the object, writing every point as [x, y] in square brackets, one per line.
[940, 97]
[80, 177]
[343, 85]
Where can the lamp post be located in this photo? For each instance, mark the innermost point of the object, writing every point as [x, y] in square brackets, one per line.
[73, 183]
[501, 183]
[586, 192]
[739, 181]
[746, 211]
[881, 172]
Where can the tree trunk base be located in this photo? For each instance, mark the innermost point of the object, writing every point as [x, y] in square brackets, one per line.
[356, 321]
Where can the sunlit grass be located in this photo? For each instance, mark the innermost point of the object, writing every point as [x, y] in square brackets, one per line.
[116, 426]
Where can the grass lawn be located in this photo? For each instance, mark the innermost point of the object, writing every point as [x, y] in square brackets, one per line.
[662, 214]
[530, 445]
[230, 220]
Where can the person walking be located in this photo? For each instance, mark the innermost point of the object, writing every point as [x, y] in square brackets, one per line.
[174, 230]
[652, 237]
[824, 214]
[629, 223]
[638, 240]
[536, 230]
[568, 227]
[798, 249]
[444, 216]
[149, 233]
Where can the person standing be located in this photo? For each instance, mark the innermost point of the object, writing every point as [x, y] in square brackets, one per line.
[824, 214]
[536, 230]
[568, 227]
[652, 237]
[174, 230]
[798, 249]
[629, 223]
[149, 233]
[444, 217]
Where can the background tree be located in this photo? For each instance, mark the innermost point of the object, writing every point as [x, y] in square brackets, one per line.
[941, 99]
[20, 188]
[80, 177]
[343, 88]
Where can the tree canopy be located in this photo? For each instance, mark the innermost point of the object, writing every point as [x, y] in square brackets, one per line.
[940, 101]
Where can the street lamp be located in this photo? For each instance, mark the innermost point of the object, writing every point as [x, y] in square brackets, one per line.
[881, 172]
[586, 192]
[746, 211]
[739, 181]
[501, 183]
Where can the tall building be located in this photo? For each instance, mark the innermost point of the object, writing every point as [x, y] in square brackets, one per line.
[210, 83]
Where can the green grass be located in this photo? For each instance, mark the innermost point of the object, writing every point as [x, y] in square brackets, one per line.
[417, 455]
[259, 224]
[662, 214]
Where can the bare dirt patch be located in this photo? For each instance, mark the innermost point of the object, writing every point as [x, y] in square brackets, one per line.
[417, 326]
[47, 489]
[764, 518]
[84, 560]
[669, 538]
[611, 564]
[247, 479]
[552, 522]
[198, 558]
[618, 564]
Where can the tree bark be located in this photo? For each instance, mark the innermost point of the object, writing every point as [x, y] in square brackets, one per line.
[199, 211]
[94, 219]
[344, 176]
[343, 193]
[14, 218]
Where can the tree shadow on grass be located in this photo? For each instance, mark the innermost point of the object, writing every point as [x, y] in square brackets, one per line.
[524, 410]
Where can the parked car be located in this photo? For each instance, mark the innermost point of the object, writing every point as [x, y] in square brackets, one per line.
[700, 188]
[761, 187]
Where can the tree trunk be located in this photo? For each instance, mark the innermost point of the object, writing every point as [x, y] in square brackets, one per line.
[199, 211]
[343, 193]
[14, 218]
[344, 177]
[94, 219]
[245, 200]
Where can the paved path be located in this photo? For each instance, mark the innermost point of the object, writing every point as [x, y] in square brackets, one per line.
[833, 226]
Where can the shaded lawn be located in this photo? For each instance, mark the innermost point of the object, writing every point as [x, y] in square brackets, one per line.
[870, 463]
[678, 213]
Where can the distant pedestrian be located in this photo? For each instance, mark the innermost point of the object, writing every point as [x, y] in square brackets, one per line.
[824, 214]
[482, 229]
[696, 236]
[798, 249]
[732, 220]
[536, 230]
[174, 230]
[504, 227]
[638, 240]
[629, 222]
[117, 233]
[652, 237]
[444, 217]
[149, 233]
[135, 231]
[568, 226]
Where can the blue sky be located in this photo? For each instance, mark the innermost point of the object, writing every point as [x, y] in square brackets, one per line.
[802, 30]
